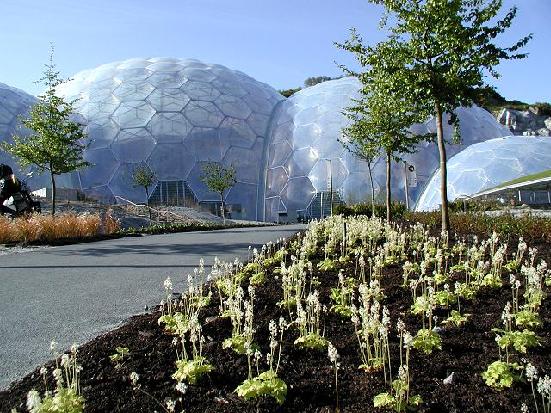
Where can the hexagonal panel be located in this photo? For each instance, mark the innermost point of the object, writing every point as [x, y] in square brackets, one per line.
[201, 91]
[205, 143]
[133, 145]
[171, 161]
[133, 114]
[203, 114]
[233, 106]
[237, 132]
[169, 127]
[103, 166]
[123, 184]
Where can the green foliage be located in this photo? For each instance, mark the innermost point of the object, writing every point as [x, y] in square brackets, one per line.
[326, 265]
[427, 340]
[445, 298]
[519, 340]
[65, 400]
[289, 92]
[342, 298]
[265, 384]
[145, 177]
[190, 371]
[238, 344]
[56, 142]
[176, 324]
[397, 210]
[217, 178]
[492, 281]
[501, 375]
[437, 54]
[312, 341]
[527, 319]
[119, 355]
[314, 80]
[510, 228]
[456, 319]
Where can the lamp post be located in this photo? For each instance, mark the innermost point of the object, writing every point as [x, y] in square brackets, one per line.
[330, 187]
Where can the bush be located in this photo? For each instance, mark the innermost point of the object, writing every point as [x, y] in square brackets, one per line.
[532, 229]
[474, 205]
[397, 209]
[47, 228]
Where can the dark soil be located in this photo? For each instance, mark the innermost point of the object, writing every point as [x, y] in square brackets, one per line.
[467, 351]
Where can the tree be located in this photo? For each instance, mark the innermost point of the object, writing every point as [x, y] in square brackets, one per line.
[353, 141]
[144, 176]
[219, 179]
[289, 92]
[56, 142]
[311, 81]
[380, 117]
[438, 54]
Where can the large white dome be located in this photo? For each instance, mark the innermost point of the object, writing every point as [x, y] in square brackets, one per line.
[173, 114]
[304, 150]
[486, 165]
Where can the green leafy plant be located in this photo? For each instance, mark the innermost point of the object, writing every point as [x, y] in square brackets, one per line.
[119, 356]
[527, 318]
[66, 396]
[267, 383]
[191, 370]
[342, 296]
[308, 322]
[456, 319]
[427, 340]
[501, 375]
[326, 265]
[521, 341]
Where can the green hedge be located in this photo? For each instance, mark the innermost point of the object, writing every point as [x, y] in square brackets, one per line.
[397, 209]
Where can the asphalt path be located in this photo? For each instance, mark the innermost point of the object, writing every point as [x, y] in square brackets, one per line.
[73, 293]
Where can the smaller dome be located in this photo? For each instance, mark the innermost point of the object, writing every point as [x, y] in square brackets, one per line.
[486, 165]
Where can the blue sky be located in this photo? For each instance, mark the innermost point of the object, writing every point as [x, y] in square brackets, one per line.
[280, 42]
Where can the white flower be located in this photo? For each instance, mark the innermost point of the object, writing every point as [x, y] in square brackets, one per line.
[53, 346]
[64, 360]
[171, 405]
[33, 400]
[531, 372]
[168, 284]
[524, 408]
[332, 352]
[58, 376]
[181, 387]
[134, 377]
[43, 370]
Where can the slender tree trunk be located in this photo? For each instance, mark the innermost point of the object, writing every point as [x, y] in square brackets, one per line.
[53, 193]
[443, 168]
[147, 201]
[369, 165]
[223, 208]
[388, 194]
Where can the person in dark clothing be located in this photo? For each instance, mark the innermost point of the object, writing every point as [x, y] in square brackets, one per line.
[9, 185]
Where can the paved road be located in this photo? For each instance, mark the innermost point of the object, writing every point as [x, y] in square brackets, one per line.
[73, 293]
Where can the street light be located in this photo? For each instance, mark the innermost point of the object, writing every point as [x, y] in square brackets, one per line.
[330, 187]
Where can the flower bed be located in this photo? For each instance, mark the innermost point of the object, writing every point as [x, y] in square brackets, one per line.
[383, 316]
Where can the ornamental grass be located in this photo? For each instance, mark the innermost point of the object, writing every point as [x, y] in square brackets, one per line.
[47, 228]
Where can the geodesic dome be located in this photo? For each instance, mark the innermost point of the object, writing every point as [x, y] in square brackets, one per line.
[174, 115]
[13, 103]
[304, 151]
[486, 165]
